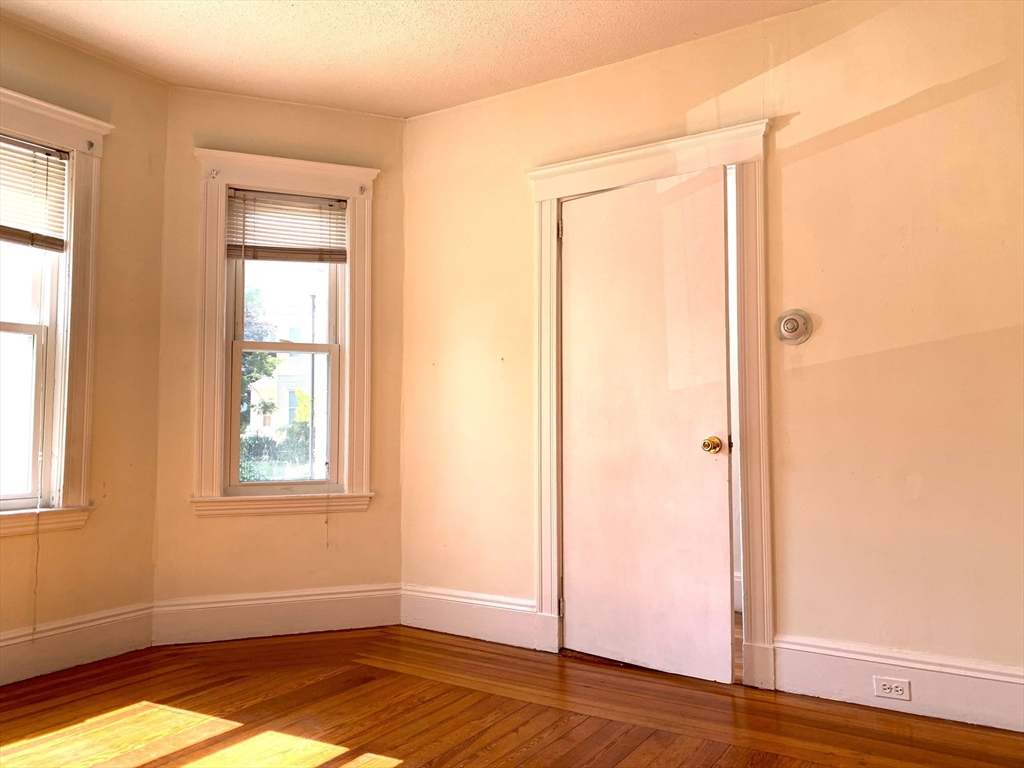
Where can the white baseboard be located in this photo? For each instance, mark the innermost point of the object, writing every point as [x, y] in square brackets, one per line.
[70, 642]
[229, 617]
[940, 686]
[737, 591]
[498, 619]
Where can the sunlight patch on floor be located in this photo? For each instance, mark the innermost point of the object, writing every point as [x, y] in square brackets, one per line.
[370, 760]
[270, 749]
[134, 735]
[126, 737]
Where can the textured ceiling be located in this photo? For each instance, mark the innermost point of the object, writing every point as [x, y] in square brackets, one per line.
[389, 57]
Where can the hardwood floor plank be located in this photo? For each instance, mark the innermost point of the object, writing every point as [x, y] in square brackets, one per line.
[650, 749]
[445, 744]
[480, 736]
[449, 707]
[421, 737]
[593, 746]
[741, 757]
[447, 711]
[530, 747]
[523, 733]
[551, 753]
[691, 753]
[432, 732]
[612, 753]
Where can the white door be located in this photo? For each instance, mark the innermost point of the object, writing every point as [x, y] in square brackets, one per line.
[647, 560]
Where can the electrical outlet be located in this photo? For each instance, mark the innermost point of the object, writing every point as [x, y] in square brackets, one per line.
[892, 688]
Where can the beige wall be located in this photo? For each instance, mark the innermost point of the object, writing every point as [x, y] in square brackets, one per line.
[894, 216]
[109, 562]
[894, 179]
[213, 556]
[146, 352]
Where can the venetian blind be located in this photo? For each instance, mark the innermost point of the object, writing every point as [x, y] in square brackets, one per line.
[262, 225]
[33, 194]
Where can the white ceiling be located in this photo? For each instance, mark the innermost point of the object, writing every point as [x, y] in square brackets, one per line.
[389, 57]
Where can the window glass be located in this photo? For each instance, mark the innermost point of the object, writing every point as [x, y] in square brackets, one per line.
[23, 280]
[286, 301]
[17, 412]
[293, 443]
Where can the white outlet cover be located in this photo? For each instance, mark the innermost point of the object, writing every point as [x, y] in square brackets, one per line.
[892, 688]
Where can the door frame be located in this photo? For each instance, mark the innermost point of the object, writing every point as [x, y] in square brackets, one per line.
[742, 146]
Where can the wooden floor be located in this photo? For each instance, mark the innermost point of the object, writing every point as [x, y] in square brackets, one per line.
[372, 698]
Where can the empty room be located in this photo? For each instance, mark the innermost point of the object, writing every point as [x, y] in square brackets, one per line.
[520, 383]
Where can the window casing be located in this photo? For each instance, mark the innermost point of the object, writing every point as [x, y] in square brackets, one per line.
[51, 169]
[328, 336]
[33, 243]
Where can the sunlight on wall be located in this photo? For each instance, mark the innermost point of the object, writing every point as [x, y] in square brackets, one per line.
[142, 732]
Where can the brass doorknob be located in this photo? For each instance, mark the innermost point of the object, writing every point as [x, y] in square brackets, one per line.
[711, 445]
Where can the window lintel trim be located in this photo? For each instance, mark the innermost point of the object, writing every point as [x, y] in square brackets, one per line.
[220, 170]
[305, 178]
[37, 121]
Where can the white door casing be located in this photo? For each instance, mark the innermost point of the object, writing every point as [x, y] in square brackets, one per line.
[742, 146]
[647, 555]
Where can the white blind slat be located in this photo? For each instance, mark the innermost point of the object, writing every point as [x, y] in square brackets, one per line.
[285, 227]
[33, 194]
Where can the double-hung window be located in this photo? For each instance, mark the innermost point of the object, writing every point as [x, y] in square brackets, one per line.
[49, 178]
[33, 238]
[285, 336]
[286, 286]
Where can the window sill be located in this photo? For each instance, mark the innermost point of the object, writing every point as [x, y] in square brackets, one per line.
[308, 504]
[22, 522]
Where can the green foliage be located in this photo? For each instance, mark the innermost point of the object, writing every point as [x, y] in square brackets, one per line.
[294, 444]
[257, 327]
[255, 452]
[255, 365]
[265, 406]
[258, 448]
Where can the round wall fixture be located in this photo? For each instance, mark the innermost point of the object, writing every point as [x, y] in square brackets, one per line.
[794, 326]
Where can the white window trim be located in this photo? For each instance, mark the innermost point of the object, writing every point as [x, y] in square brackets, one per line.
[211, 495]
[69, 436]
[742, 146]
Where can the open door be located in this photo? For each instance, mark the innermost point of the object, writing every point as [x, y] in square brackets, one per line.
[647, 557]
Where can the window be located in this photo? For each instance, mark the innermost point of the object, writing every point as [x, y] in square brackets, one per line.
[284, 399]
[33, 224]
[286, 255]
[49, 174]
